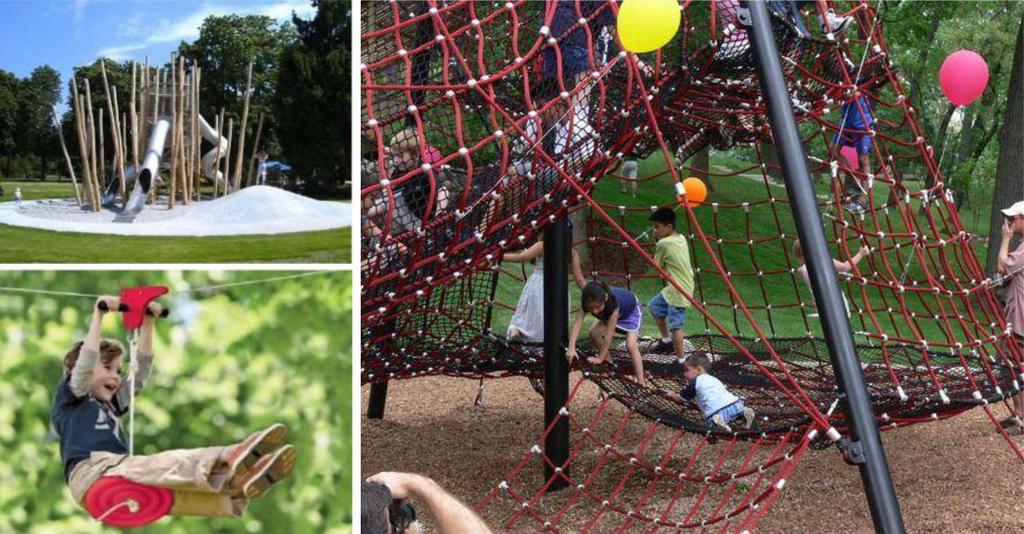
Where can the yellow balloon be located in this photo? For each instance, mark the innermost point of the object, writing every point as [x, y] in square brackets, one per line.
[646, 25]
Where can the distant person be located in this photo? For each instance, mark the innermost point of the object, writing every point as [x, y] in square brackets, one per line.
[627, 180]
[385, 507]
[1011, 264]
[17, 195]
[261, 167]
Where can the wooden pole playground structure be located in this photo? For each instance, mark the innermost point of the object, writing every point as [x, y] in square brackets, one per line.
[113, 145]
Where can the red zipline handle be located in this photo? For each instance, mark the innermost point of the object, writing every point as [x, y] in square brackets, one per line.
[137, 300]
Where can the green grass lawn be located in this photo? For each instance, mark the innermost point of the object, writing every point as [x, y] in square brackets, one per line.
[28, 245]
[763, 222]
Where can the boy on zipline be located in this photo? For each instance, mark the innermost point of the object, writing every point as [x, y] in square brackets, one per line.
[90, 400]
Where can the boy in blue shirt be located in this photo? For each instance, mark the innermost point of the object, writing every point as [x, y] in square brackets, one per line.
[87, 410]
[718, 405]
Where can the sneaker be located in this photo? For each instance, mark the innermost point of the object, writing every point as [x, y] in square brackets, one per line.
[748, 417]
[719, 421]
[834, 23]
[854, 207]
[269, 470]
[1010, 421]
[665, 347]
[244, 455]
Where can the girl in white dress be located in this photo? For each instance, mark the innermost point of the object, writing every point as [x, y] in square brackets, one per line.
[527, 322]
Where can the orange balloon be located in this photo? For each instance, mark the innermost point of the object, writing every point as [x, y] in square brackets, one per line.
[696, 191]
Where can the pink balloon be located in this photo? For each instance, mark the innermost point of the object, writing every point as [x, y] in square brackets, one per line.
[850, 154]
[963, 77]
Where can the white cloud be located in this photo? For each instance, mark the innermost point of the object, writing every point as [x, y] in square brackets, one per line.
[187, 28]
[78, 8]
[131, 26]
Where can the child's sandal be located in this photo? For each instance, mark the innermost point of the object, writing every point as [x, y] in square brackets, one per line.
[269, 470]
[245, 455]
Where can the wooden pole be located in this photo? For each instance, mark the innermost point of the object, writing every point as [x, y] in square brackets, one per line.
[134, 122]
[92, 145]
[83, 150]
[227, 159]
[179, 127]
[197, 135]
[224, 175]
[159, 83]
[115, 128]
[171, 184]
[102, 152]
[241, 131]
[216, 161]
[255, 147]
[124, 135]
[67, 157]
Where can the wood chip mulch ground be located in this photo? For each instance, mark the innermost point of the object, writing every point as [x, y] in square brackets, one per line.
[958, 475]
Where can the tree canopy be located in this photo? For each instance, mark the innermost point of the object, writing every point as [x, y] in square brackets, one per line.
[313, 101]
[229, 361]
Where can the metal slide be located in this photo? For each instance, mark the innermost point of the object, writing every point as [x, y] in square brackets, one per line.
[110, 194]
[219, 150]
[150, 168]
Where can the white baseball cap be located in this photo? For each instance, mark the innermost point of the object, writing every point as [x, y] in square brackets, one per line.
[1016, 209]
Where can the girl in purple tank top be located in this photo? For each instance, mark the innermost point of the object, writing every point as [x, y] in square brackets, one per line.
[616, 310]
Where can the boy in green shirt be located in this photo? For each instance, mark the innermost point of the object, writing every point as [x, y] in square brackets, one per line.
[669, 306]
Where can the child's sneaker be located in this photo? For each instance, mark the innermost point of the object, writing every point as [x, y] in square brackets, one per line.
[719, 421]
[748, 417]
[834, 23]
[854, 207]
[245, 455]
[665, 347]
[269, 470]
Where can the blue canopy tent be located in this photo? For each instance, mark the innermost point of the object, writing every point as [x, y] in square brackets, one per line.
[278, 166]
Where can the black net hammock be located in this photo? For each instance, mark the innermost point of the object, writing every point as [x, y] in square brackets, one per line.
[485, 122]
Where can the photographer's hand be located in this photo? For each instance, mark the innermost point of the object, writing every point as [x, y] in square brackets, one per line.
[452, 516]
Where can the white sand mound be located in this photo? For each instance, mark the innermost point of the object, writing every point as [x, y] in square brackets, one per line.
[253, 210]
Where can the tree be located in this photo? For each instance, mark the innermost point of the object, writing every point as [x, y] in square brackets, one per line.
[36, 98]
[119, 77]
[1009, 187]
[9, 85]
[313, 99]
[223, 51]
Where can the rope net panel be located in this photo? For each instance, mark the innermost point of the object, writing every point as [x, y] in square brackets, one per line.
[484, 122]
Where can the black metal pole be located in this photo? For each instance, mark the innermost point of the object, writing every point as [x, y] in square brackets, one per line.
[874, 469]
[557, 240]
[378, 396]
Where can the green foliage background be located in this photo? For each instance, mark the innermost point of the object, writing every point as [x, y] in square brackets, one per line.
[228, 361]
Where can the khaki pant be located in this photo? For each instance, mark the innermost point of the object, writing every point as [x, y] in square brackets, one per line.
[196, 476]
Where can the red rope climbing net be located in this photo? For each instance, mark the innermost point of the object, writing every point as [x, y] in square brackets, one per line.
[484, 122]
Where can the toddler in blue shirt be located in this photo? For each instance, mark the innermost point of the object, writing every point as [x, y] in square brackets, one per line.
[718, 405]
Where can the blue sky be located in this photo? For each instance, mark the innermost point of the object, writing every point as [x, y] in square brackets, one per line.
[68, 33]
